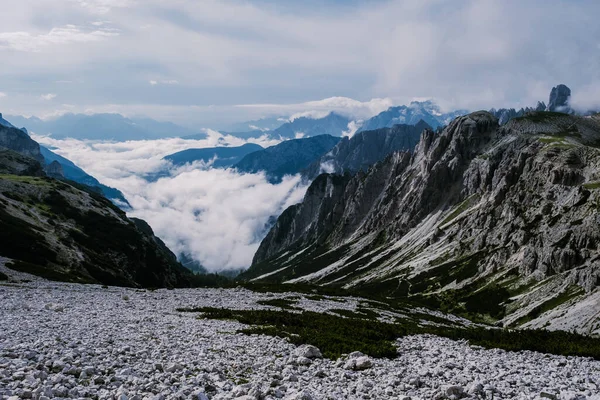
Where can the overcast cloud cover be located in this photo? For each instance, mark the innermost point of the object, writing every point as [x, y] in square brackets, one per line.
[217, 216]
[210, 62]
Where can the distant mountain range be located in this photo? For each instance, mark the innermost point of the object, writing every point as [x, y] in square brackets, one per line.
[101, 127]
[416, 111]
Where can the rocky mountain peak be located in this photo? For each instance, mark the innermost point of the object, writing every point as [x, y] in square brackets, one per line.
[559, 98]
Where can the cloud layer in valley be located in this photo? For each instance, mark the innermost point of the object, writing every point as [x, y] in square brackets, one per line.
[207, 63]
[216, 216]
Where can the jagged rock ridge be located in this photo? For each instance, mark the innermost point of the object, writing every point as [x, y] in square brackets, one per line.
[504, 214]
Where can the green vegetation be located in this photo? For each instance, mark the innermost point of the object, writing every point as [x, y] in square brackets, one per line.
[550, 304]
[281, 303]
[540, 116]
[592, 185]
[336, 335]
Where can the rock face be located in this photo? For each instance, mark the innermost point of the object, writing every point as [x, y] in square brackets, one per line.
[481, 212]
[366, 148]
[559, 98]
[287, 158]
[13, 163]
[5, 123]
[55, 170]
[19, 141]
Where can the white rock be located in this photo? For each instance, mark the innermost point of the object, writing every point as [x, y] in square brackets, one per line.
[308, 351]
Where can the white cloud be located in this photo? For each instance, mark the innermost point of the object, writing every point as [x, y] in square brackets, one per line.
[28, 42]
[353, 126]
[587, 98]
[218, 216]
[2, 94]
[48, 96]
[104, 6]
[164, 82]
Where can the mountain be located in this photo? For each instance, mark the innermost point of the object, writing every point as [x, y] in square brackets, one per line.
[287, 158]
[5, 123]
[506, 114]
[366, 148]
[416, 111]
[101, 127]
[76, 174]
[488, 221]
[559, 99]
[223, 156]
[333, 124]
[261, 125]
[51, 228]
[17, 140]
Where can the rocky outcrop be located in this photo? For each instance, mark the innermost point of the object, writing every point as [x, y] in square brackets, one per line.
[559, 99]
[479, 208]
[366, 148]
[19, 141]
[13, 163]
[55, 170]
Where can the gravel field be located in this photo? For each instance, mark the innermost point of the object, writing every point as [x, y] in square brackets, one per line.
[84, 341]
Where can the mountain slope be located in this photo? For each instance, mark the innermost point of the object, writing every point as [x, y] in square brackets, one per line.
[366, 148]
[76, 174]
[499, 222]
[223, 156]
[287, 158]
[5, 123]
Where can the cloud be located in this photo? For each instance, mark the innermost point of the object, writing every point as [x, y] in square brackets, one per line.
[217, 216]
[164, 82]
[320, 108]
[28, 42]
[470, 54]
[103, 6]
[353, 126]
[2, 94]
[587, 98]
[48, 96]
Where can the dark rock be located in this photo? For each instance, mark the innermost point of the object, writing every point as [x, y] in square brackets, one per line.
[559, 99]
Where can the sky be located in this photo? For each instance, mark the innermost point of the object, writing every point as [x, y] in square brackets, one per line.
[213, 62]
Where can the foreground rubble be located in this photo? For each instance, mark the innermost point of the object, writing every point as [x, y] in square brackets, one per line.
[84, 341]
